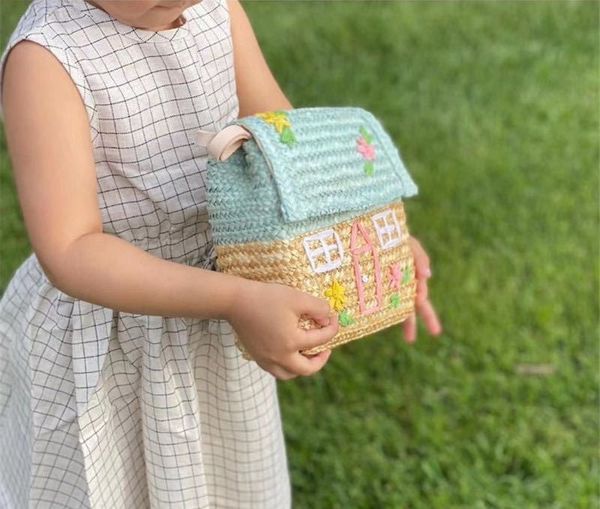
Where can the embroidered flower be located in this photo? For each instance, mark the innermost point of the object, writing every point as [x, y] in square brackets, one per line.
[275, 118]
[407, 274]
[395, 300]
[287, 137]
[345, 318]
[282, 124]
[336, 294]
[365, 147]
[395, 276]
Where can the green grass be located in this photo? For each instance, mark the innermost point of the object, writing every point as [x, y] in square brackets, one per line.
[495, 107]
[14, 245]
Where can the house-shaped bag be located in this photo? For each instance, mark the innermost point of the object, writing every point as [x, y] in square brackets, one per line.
[312, 198]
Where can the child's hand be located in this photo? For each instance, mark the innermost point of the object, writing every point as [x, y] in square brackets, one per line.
[424, 307]
[265, 318]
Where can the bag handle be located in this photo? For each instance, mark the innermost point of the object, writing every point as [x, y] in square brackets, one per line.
[222, 144]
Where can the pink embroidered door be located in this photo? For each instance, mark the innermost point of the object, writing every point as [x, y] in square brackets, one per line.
[367, 271]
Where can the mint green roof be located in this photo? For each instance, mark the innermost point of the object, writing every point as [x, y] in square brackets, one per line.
[339, 163]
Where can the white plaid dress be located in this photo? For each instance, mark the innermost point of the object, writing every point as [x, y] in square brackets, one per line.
[106, 409]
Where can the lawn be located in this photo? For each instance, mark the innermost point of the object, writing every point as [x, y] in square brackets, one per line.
[495, 108]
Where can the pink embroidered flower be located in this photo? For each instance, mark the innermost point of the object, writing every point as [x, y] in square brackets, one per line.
[395, 276]
[366, 149]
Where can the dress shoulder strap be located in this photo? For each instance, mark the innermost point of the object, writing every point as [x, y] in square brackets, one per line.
[50, 24]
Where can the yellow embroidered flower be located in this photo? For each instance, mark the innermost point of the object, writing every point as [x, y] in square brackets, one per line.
[278, 119]
[336, 294]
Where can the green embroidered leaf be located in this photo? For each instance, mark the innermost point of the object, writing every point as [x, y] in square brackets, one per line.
[345, 318]
[287, 137]
[369, 168]
[395, 300]
[407, 275]
[365, 134]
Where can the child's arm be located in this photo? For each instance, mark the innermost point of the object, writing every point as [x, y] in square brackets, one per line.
[257, 89]
[423, 306]
[48, 135]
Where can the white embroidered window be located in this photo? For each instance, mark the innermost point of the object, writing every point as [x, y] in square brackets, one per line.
[387, 228]
[324, 251]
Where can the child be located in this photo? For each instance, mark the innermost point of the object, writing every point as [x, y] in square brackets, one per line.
[120, 382]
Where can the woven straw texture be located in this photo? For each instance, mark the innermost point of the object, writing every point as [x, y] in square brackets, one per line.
[314, 201]
[322, 172]
[286, 262]
[270, 190]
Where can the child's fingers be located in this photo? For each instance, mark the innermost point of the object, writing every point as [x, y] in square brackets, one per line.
[282, 373]
[316, 337]
[326, 320]
[299, 365]
[422, 291]
[410, 329]
[422, 262]
[305, 365]
[430, 318]
[315, 308]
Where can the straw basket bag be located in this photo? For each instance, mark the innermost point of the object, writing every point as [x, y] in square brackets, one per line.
[312, 198]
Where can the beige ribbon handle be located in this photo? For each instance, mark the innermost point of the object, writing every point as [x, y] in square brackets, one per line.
[222, 144]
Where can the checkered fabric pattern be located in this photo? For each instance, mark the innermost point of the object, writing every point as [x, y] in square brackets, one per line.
[105, 409]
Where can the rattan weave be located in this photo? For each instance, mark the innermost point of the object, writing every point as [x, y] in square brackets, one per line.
[314, 200]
